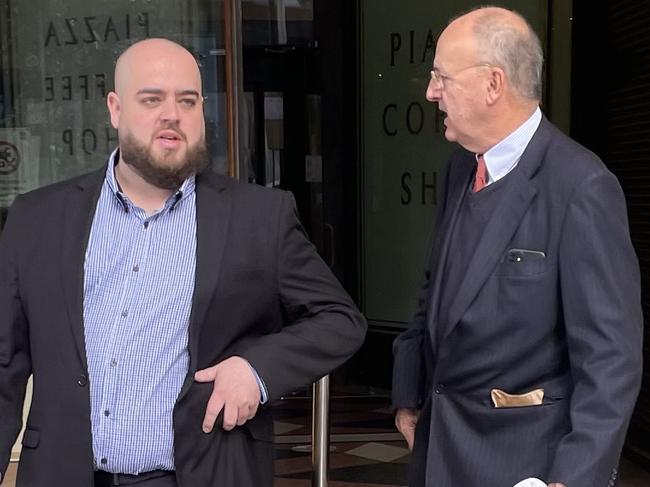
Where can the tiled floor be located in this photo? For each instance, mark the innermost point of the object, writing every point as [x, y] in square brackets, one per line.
[369, 463]
[295, 470]
[360, 465]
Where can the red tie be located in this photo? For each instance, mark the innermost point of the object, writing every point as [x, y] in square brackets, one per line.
[480, 181]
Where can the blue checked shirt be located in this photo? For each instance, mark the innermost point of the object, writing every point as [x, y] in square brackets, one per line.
[138, 286]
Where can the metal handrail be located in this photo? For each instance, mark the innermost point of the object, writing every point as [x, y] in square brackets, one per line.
[320, 422]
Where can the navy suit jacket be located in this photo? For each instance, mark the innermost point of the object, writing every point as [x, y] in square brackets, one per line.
[570, 323]
[261, 292]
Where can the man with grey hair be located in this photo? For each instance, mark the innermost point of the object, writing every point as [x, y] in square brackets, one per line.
[523, 359]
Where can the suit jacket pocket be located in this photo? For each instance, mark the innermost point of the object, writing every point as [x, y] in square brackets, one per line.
[548, 403]
[521, 263]
[31, 438]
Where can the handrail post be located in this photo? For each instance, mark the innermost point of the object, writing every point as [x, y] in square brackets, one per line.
[320, 432]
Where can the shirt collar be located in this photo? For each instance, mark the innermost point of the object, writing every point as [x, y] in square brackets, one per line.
[503, 157]
[186, 189]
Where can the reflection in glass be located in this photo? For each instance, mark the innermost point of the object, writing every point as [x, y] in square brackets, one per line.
[274, 137]
[277, 22]
[56, 68]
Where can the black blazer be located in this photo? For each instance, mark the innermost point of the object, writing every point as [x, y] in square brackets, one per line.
[261, 292]
[570, 323]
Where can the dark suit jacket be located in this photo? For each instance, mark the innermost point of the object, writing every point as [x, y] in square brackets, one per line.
[261, 292]
[570, 323]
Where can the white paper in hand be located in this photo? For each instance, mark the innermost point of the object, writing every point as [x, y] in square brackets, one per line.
[531, 483]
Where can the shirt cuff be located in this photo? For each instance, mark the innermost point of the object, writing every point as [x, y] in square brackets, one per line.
[265, 396]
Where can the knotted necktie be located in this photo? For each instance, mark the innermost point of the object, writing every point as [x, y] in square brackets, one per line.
[480, 181]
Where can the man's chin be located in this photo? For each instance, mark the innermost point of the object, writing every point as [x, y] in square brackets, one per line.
[169, 158]
[450, 135]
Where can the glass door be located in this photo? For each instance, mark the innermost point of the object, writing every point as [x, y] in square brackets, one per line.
[56, 68]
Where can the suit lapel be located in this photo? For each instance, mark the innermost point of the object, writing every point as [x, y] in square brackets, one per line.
[456, 198]
[502, 225]
[78, 216]
[213, 208]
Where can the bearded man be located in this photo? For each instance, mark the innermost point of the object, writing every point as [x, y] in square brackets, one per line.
[154, 299]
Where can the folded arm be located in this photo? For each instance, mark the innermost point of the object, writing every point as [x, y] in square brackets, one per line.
[322, 326]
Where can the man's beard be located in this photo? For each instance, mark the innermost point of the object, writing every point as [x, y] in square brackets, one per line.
[162, 172]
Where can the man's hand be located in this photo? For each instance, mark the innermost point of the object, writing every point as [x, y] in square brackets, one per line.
[555, 484]
[235, 391]
[405, 421]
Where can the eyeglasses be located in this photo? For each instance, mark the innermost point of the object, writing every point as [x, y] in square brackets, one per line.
[440, 79]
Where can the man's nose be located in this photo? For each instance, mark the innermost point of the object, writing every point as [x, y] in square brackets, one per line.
[170, 110]
[433, 92]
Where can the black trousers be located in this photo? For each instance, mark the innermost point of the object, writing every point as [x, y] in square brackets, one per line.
[157, 478]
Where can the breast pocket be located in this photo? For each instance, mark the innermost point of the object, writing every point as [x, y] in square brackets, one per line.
[522, 263]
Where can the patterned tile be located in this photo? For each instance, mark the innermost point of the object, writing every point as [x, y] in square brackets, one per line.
[282, 428]
[378, 474]
[379, 452]
[290, 466]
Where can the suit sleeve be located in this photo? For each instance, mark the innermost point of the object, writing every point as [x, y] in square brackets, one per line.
[408, 348]
[15, 362]
[323, 327]
[600, 289]
[408, 356]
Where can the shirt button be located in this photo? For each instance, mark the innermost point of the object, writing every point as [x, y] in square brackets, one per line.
[125, 313]
[136, 268]
[103, 461]
[113, 363]
[82, 381]
[146, 225]
[107, 413]
[440, 388]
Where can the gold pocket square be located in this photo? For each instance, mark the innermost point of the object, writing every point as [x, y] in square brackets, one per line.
[502, 399]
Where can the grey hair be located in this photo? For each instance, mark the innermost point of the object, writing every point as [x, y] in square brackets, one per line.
[518, 52]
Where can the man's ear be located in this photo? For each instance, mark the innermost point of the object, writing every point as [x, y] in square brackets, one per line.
[115, 108]
[496, 85]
